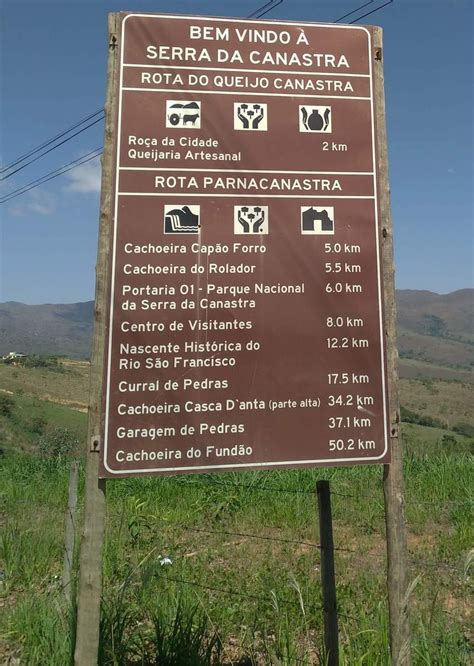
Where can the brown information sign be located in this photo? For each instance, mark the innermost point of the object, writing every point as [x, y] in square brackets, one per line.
[246, 316]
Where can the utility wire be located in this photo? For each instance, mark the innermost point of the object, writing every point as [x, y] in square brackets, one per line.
[83, 129]
[372, 12]
[258, 13]
[354, 11]
[48, 142]
[53, 174]
[269, 10]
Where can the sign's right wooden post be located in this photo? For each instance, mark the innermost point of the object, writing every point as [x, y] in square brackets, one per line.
[393, 484]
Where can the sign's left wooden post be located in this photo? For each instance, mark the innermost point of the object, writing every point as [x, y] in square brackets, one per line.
[90, 562]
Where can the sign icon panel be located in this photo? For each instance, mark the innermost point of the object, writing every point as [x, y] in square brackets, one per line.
[182, 219]
[250, 219]
[315, 119]
[183, 114]
[250, 116]
[316, 220]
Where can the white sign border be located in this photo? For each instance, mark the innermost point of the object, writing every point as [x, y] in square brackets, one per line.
[253, 465]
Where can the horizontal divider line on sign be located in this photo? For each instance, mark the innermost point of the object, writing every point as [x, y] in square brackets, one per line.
[212, 195]
[248, 71]
[239, 92]
[193, 170]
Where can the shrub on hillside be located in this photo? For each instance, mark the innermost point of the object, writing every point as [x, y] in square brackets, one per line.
[36, 361]
[6, 405]
[465, 429]
[449, 443]
[435, 326]
[409, 416]
[49, 362]
[37, 425]
[58, 442]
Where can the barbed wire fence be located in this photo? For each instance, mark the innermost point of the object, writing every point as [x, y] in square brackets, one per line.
[454, 569]
[178, 566]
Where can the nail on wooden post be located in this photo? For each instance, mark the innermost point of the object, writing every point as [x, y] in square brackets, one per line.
[328, 578]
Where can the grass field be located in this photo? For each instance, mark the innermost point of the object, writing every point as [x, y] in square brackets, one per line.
[245, 568]
[224, 568]
[452, 403]
[31, 418]
[414, 369]
[69, 387]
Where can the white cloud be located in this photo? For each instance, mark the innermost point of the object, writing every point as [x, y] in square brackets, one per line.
[36, 201]
[41, 208]
[85, 178]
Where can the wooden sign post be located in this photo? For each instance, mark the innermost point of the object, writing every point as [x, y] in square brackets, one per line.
[90, 562]
[393, 483]
[244, 176]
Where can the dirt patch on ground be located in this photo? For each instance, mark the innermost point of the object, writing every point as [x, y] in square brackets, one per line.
[72, 404]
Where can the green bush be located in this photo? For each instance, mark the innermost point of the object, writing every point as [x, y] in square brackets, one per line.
[38, 425]
[449, 443]
[464, 429]
[37, 361]
[58, 442]
[6, 405]
[409, 416]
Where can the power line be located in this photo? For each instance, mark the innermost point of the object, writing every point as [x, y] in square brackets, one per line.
[83, 129]
[372, 12]
[269, 9]
[354, 11]
[358, 9]
[52, 174]
[48, 142]
[263, 7]
[258, 13]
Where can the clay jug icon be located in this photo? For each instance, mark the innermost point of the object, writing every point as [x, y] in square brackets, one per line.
[315, 121]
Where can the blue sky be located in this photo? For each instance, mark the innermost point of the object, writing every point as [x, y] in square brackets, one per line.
[53, 63]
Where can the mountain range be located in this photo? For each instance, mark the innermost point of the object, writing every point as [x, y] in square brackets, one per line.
[54, 329]
[435, 331]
